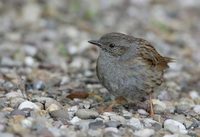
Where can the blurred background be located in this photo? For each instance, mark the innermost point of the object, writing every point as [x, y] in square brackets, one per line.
[54, 33]
[44, 54]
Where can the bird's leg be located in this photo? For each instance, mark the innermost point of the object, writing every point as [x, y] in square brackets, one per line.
[151, 105]
[119, 100]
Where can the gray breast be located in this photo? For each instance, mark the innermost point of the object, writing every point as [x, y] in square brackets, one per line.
[120, 80]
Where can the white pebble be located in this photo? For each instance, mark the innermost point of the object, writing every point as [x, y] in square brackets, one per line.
[194, 94]
[28, 104]
[145, 133]
[174, 126]
[134, 122]
[75, 120]
[197, 109]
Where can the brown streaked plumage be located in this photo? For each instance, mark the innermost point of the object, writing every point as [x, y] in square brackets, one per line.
[128, 66]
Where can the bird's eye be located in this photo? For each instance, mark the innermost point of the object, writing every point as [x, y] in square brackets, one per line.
[112, 45]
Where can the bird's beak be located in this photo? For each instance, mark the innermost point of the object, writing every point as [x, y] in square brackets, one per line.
[95, 42]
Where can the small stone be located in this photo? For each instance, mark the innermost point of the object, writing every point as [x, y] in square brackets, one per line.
[28, 104]
[121, 119]
[174, 135]
[174, 126]
[47, 101]
[83, 124]
[53, 107]
[27, 123]
[30, 50]
[31, 12]
[87, 114]
[72, 110]
[6, 135]
[17, 112]
[194, 94]
[144, 133]
[75, 120]
[14, 94]
[135, 123]
[61, 114]
[159, 106]
[112, 124]
[184, 105]
[197, 109]
[96, 124]
[14, 102]
[126, 114]
[8, 86]
[111, 129]
[29, 61]
[143, 112]
[150, 123]
[39, 85]
[8, 62]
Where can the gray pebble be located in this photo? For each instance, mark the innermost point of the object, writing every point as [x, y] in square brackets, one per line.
[8, 86]
[112, 124]
[150, 123]
[39, 85]
[96, 124]
[174, 126]
[6, 135]
[17, 112]
[28, 104]
[144, 133]
[87, 114]
[135, 123]
[61, 115]
[197, 109]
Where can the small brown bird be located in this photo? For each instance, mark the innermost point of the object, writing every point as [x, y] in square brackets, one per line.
[129, 67]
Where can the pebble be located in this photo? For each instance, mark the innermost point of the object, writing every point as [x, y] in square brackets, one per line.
[174, 126]
[112, 124]
[111, 129]
[94, 133]
[30, 50]
[72, 110]
[150, 123]
[17, 112]
[28, 104]
[75, 120]
[135, 123]
[47, 101]
[14, 102]
[8, 86]
[61, 114]
[126, 114]
[83, 124]
[6, 135]
[96, 124]
[39, 85]
[14, 94]
[197, 109]
[27, 123]
[87, 114]
[6, 61]
[29, 61]
[119, 118]
[194, 94]
[159, 106]
[143, 112]
[31, 12]
[53, 107]
[144, 133]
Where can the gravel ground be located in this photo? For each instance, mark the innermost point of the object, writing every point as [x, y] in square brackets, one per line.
[48, 84]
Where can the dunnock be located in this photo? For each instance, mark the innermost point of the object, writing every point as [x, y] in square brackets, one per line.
[129, 67]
